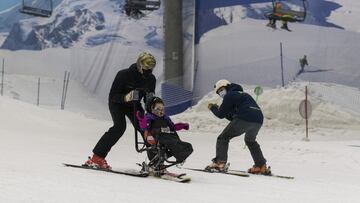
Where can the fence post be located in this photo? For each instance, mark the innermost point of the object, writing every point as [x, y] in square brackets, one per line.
[306, 112]
[38, 93]
[63, 92]
[282, 65]
[66, 88]
[2, 77]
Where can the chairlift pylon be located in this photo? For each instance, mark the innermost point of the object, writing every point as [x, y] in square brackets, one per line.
[289, 15]
[37, 11]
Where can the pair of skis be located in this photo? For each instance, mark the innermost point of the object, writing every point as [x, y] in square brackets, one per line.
[240, 173]
[181, 178]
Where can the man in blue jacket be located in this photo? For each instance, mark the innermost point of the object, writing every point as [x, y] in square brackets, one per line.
[245, 116]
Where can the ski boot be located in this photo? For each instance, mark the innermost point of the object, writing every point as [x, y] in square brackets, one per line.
[97, 162]
[272, 25]
[263, 170]
[285, 27]
[218, 166]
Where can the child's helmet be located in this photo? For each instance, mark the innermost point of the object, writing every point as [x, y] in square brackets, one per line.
[151, 103]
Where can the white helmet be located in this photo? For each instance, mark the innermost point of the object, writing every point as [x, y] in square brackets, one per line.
[221, 83]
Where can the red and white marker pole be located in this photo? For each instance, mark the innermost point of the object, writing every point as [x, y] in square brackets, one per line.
[305, 111]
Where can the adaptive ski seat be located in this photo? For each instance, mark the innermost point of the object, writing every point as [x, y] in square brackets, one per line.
[159, 153]
[160, 160]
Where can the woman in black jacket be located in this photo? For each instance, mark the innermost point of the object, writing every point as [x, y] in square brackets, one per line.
[129, 87]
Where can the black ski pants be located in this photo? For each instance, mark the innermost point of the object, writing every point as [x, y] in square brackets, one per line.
[109, 139]
[236, 128]
[179, 149]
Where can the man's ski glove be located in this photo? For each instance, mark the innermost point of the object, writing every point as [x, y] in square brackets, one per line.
[211, 105]
[142, 121]
[180, 126]
[149, 138]
[129, 96]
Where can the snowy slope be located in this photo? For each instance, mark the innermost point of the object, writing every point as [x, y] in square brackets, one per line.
[348, 15]
[248, 52]
[32, 155]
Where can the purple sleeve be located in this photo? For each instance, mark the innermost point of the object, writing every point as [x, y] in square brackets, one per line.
[148, 117]
[171, 124]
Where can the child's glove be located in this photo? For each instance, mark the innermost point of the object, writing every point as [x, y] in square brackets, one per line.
[180, 126]
[149, 138]
[142, 120]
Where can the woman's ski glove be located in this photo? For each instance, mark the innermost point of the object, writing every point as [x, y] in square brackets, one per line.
[180, 126]
[211, 105]
[149, 138]
[142, 121]
[129, 97]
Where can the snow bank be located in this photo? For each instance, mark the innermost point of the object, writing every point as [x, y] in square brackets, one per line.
[334, 106]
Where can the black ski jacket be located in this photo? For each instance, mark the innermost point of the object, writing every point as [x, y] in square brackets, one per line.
[130, 79]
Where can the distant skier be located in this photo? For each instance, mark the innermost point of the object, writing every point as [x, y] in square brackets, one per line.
[303, 62]
[136, 81]
[245, 116]
[159, 128]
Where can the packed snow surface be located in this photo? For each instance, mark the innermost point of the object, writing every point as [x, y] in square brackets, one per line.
[36, 140]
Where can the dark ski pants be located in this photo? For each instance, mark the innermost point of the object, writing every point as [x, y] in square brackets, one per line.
[109, 139]
[179, 149]
[236, 128]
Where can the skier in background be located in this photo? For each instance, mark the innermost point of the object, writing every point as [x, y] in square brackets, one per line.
[129, 87]
[303, 62]
[245, 116]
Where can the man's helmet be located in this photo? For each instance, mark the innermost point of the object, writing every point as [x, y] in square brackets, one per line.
[221, 83]
[146, 61]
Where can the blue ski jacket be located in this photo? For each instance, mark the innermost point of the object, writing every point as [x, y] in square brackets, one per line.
[238, 104]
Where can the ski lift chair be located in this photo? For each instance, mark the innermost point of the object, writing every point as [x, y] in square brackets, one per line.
[37, 11]
[287, 14]
[143, 5]
[160, 152]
